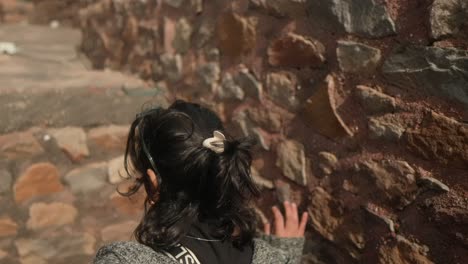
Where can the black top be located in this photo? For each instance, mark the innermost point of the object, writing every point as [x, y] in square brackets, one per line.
[214, 252]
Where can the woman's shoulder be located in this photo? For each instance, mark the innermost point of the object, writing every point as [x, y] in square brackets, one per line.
[272, 249]
[129, 252]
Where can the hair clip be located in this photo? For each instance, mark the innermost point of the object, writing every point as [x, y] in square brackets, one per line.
[215, 143]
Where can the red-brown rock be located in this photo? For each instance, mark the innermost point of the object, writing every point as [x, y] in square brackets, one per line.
[236, 35]
[42, 215]
[441, 139]
[109, 138]
[8, 227]
[39, 179]
[320, 112]
[295, 50]
[19, 146]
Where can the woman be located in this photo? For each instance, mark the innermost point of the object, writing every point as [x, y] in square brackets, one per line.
[199, 193]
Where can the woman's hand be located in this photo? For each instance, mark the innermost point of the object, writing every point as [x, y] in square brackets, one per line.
[289, 228]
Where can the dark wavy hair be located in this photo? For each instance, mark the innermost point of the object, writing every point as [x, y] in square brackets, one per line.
[193, 181]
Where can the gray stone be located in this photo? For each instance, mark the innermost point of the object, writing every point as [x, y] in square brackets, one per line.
[229, 89]
[292, 161]
[56, 246]
[87, 179]
[268, 118]
[243, 122]
[282, 8]
[386, 130]
[205, 33]
[436, 71]
[374, 101]
[249, 84]
[433, 184]
[261, 181]
[248, 128]
[376, 212]
[448, 18]
[355, 57]
[328, 162]
[181, 42]
[172, 65]
[72, 140]
[116, 170]
[363, 17]
[5, 181]
[283, 88]
[209, 75]
[174, 3]
[212, 54]
[259, 135]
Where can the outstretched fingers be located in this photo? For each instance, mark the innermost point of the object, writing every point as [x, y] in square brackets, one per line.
[279, 220]
[303, 223]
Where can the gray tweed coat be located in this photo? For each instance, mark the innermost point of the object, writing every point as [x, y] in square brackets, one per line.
[267, 250]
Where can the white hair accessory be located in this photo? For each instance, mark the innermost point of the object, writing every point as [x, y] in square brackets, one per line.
[215, 143]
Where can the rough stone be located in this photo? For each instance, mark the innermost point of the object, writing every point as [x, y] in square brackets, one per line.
[432, 70]
[355, 57]
[212, 54]
[19, 145]
[172, 66]
[322, 214]
[433, 184]
[381, 215]
[368, 18]
[116, 170]
[328, 162]
[88, 178]
[292, 161]
[56, 246]
[5, 181]
[266, 117]
[320, 111]
[448, 18]
[229, 89]
[236, 35]
[174, 3]
[439, 138]
[261, 181]
[247, 127]
[283, 88]
[182, 37]
[260, 136]
[295, 50]
[42, 215]
[394, 178]
[109, 138]
[449, 211]
[209, 75]
[119, 232]
[374, 101]
[249, 84]
[8, 227]
[282, 8]
[38, 179]
[72, 140]
[381, 129]
[403, 251]
[204, 34]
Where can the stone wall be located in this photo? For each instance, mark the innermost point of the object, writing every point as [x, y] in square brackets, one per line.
[359, 107]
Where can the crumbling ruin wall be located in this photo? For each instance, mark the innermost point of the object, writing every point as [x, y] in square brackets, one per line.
[359, 107]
